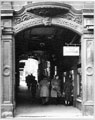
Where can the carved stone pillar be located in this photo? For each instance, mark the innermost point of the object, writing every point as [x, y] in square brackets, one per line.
[7, 105]
[88, 62]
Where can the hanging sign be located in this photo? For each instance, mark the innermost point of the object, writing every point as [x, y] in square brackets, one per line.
[70, 51]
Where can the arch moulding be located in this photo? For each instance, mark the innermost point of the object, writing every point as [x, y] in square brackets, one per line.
[35, 15]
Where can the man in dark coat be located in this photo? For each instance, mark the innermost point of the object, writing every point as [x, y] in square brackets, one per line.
[28, 81]
[68, 92]
[33, 87]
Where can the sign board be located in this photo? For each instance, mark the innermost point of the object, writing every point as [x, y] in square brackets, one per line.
[70, 51]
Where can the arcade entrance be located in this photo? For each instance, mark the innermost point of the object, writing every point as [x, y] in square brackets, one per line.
[48, 51]
[59, 40]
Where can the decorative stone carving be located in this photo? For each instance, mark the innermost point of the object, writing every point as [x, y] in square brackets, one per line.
[24, 17]
[27, 24]
[89, 70]
[6, 70]
[69, 24]
[7, 114]
[47, 21]
[27, 19]
[75, 18]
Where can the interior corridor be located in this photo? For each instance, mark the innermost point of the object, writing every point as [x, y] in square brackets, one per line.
[25, 107]
[48, 47]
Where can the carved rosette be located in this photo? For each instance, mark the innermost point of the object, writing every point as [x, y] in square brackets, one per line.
[6, 70]
[89, 70]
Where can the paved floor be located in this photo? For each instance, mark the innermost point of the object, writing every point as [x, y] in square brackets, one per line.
[25, 108]
[48, 111]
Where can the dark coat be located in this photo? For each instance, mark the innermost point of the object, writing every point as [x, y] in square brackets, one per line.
[68, 90]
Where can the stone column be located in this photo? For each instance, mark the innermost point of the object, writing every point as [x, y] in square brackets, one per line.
[7, 81]
[88, 62]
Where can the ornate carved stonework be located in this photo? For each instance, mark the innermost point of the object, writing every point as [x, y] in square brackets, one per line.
[75, 18]
[89, 70]
[69, 24]
[27, 19]
[6, 70]
[7, 114]
[47, 21]
[24, 17]
[27, 24]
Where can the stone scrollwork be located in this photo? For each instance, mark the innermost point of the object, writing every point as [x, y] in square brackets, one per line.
[27, 19]
[26, 16]
[7, 114]
[27, 24]
[74, 18]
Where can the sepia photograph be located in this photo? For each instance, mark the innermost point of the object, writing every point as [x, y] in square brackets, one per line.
[47, 59]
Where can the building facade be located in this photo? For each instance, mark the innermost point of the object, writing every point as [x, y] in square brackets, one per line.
[16, 17]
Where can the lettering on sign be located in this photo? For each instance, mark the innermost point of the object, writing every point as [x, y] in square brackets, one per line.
[70, 51]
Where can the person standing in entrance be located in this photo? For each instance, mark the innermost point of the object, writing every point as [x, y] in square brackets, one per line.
[55, 89]
[28, 81]
[44, 90]
[33, 87]
[68, 91]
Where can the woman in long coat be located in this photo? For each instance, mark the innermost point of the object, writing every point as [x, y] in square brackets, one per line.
[55, 88]
[44, 90]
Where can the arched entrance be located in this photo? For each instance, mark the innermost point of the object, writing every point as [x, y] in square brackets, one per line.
[44, 30]
[46, 44]
[52, 19]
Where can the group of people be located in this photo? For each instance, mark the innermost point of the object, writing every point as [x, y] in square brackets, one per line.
[49, 90]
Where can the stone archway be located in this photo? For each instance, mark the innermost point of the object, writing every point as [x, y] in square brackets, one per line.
[27, 17]
[71, 19]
